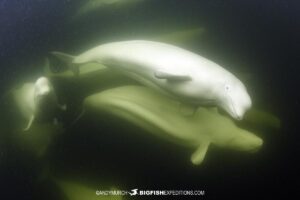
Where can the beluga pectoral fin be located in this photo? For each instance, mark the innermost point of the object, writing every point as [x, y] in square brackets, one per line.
[68, 60]
[164, 74]
[30, 122]
[199, 155]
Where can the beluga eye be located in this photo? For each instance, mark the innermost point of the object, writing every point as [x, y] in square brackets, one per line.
[227, 88]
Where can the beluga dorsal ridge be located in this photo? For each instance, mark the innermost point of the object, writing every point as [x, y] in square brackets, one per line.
[177, 72]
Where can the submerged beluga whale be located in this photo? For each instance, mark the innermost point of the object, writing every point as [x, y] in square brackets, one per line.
[158, 115]
[171, 70]
[36, 100]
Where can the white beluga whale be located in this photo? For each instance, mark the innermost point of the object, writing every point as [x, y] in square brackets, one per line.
[158, 115]
[36, 100]
[171, 70]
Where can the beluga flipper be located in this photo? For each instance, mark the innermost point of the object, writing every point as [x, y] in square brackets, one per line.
[30, 122]
[164, 74]
[199, 155]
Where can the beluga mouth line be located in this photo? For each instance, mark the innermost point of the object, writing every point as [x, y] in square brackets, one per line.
[171, 70]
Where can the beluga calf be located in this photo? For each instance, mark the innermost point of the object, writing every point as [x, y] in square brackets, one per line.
[171, 70]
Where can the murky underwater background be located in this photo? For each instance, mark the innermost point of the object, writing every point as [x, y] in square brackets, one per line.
[257, 39]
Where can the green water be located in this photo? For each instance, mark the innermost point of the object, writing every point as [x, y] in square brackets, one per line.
[149, 144]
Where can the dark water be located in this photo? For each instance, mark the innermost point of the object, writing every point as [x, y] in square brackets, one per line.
[257, 37]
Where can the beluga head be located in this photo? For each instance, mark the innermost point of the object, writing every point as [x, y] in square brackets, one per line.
[45, 101]
[234, 98]
[43, 93]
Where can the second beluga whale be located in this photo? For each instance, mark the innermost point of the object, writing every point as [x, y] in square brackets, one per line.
[36, 101]
[177, 72]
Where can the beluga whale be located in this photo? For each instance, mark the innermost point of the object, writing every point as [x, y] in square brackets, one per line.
[179, 73]
[37, 101]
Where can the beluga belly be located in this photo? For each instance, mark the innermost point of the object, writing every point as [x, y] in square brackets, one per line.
[177, 72]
